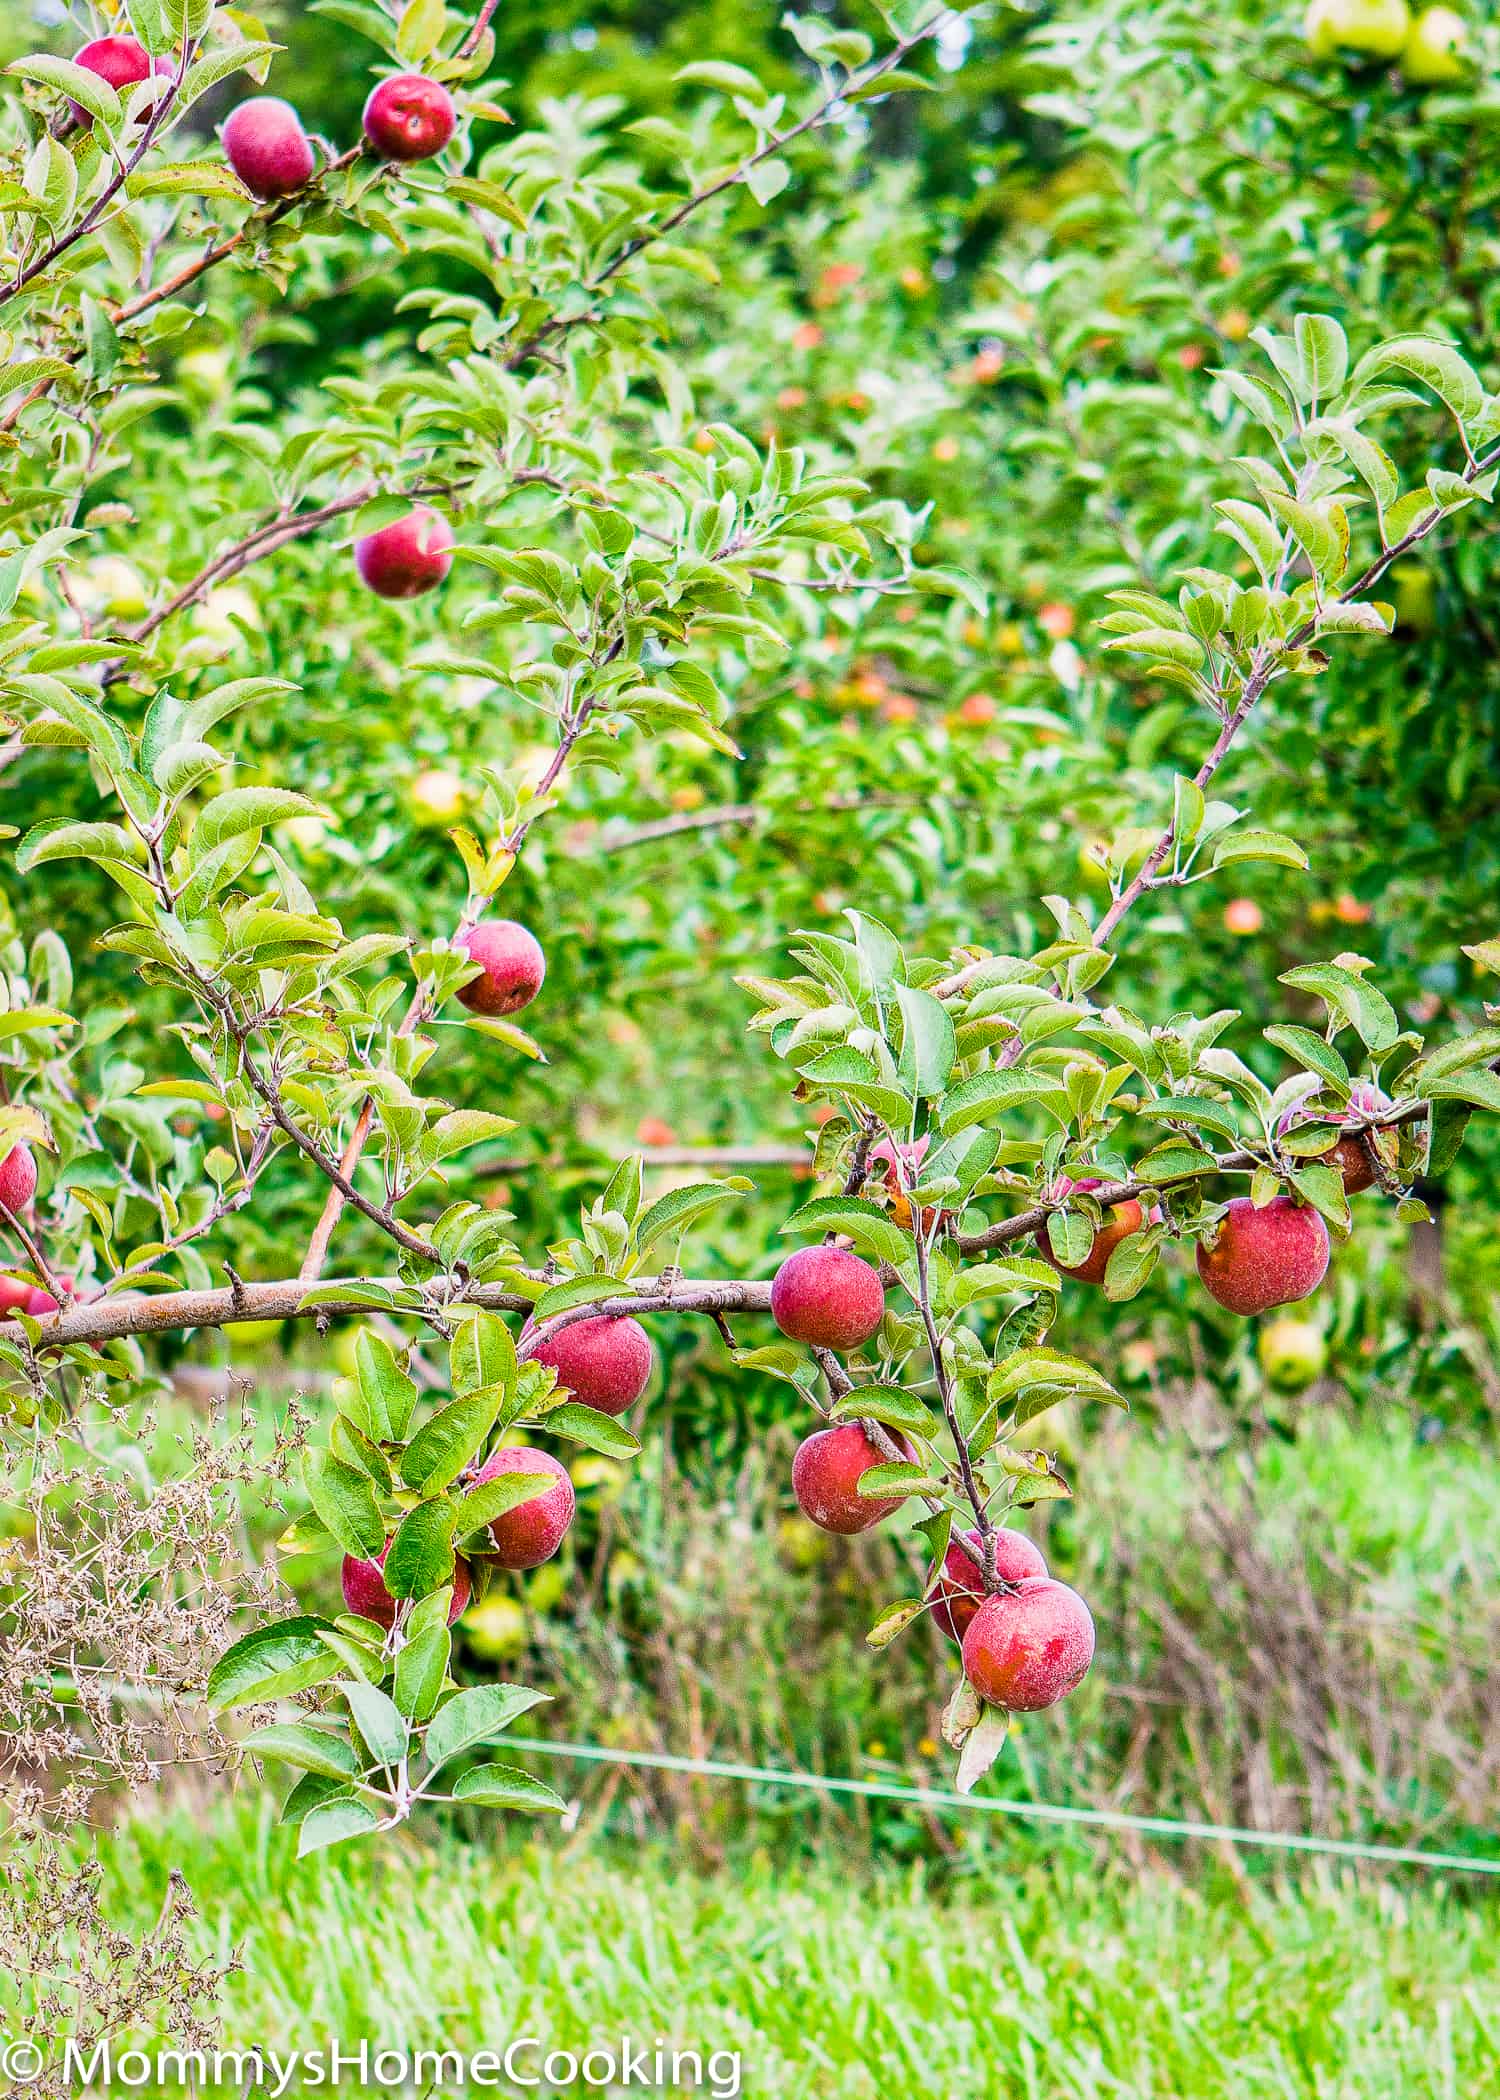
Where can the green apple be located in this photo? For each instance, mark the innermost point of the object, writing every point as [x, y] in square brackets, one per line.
[344, 1341]
[436, 798]
[545, 1589]
[110, 584]
[224, 611]
[497, 1629]
[1358, 28]
[800, 1543]
[205, 372]
[606, 1475]
[1415, 597]
[252, 1337]
[1437, 48]
[1293, 1354]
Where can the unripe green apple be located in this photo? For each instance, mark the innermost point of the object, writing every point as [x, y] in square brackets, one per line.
[1293, 1354]
[437, 798]
[1437, 48]
[206, 372]
[496, 1630]
[1358, 28]
[217, 615]
[345, 1341]
[252, 1337]
[1416, 597]
[110, 584]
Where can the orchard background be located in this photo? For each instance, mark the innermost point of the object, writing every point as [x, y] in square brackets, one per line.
[952, 599]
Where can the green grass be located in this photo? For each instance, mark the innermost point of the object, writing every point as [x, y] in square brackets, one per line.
[1071, 1977]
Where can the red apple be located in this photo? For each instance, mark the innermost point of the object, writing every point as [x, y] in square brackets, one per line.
[512, 971]
[1263, 1258]
[267, 147]
[828, 1298]
[903, 1164]
[826, 1473]
[1351, 1155]
[1030, 1649]
[531, 1532]
[122, 63]
[366, 1595]
[17, 1178]
[1124, 1219]
[960, 1586]
[409, 117]
[604, 1362]
[407, 557]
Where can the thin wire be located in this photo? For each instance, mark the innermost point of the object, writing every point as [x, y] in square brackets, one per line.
[1036, 1811]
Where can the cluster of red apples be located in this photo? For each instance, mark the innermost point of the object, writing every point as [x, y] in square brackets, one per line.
[1027, 1639]
[406, 118]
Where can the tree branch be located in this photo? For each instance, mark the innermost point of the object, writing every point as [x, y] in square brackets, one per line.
[174, 1312]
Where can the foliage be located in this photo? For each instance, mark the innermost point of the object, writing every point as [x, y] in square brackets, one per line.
[812, 612]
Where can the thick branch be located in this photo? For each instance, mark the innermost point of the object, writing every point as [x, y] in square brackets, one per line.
[173, 1312]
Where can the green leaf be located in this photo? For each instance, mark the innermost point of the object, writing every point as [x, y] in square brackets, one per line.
[1324, 350]
[679, 1207]
[893, 1622]
[1177, 1160]
[269, 1664]
[481, 1354]
[345, 1499]
[599, 1432]
[247, 809]
[506, 1786]
[1014, 1273]
[1130, 1264]
[477, 1716]
[1259, 845]
[489, 1499]
[898, 1479]
[421, 1555]
[928, 1045]
[991, 1094]
[378, 1721]
[307, 1748]
[857, 1219]
[890, 1404]
[1351, 1000]
[577, 1290]
[1480, 1089]
[421, 1669]
[86, 88]
[1437, 364]
[1070, 1236]
[443, 1446]
[1315, 1054]
[388, 1394]
[332, 1822]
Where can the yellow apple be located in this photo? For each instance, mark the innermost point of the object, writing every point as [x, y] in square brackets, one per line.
[1437, 48]
[1362, 28]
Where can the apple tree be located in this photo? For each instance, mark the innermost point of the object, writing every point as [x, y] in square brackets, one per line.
[546, 533]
